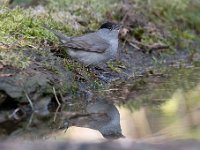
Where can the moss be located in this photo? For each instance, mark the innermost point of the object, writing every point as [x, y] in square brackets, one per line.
[14, 59]
[138, 33]
[18, 27]
[66, 88]
[88, 12]
[23, 27]
[171, 22]
[179, 18]
[115, 66]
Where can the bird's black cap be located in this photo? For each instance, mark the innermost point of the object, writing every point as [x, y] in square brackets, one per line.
[110, 26]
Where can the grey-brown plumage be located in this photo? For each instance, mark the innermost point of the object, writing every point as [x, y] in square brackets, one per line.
[81, 43]
[92, 48]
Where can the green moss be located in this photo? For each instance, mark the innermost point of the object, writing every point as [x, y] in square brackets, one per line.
[115, 66]
[14, 59]
[68, 88]
[18, 27]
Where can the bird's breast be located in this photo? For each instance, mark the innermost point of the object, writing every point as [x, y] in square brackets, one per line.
[113, 47]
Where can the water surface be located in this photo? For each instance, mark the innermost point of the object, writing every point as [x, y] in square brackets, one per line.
[155, 108]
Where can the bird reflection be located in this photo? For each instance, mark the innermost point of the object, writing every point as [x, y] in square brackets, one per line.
[102, 116]
[99, 115]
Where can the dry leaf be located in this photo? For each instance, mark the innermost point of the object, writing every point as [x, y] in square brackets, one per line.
[5, 75]
[123, 32]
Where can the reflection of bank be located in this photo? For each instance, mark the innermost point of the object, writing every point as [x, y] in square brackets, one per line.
[177, 118]
[45, 122]
[102, 116]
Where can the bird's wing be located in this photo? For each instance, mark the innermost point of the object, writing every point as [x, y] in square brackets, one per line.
[89, 42]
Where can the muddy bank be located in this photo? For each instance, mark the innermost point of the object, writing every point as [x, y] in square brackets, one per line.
[50, 77]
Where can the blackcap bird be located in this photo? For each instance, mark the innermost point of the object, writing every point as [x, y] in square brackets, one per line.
[92, 48]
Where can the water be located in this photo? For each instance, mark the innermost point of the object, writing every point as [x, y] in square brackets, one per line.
[159, 107]
[154, 108]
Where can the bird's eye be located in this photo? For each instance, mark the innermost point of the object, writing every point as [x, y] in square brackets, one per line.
[110, 29]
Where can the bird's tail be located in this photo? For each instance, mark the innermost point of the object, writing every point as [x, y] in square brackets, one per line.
[63, 39]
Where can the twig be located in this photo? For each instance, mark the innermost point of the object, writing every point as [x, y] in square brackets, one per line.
[111, 90]
[134, 46]
[158, 46]
[1, 43]
[54, 92]
[29, 100]
[30, 120]
[55, 115]
[140, 46]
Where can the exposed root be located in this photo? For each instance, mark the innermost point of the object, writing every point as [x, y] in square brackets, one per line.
[54, 92]
[29, 100]
[55, 115]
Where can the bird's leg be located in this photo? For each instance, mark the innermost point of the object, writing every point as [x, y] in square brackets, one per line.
[117, 57]
[101, 68]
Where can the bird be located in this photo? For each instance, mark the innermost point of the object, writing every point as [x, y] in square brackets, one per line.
[92, 48]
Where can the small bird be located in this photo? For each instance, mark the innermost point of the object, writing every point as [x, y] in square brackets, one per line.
[92, 48]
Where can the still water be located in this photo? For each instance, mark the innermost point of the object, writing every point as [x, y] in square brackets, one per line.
[153, 108]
